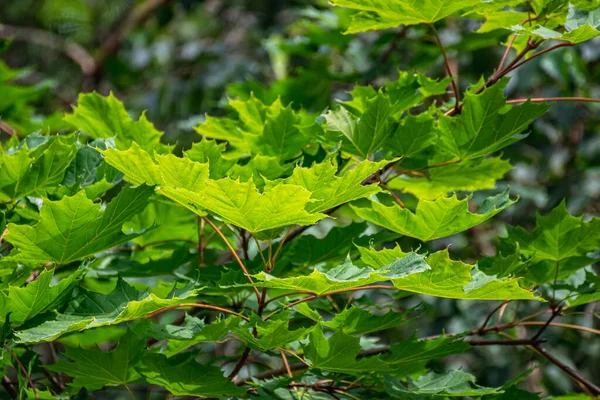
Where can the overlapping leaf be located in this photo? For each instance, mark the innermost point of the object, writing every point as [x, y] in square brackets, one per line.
[328, 190]
[182, 376]
[39, 164]
[468, 176]
[94, 368]
[382, 14]
[433, 219]
[74, 227]
[486, 124]
[92, 309]
[105, 117]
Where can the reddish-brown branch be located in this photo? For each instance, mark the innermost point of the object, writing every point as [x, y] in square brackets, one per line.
[547, 99]
[510, 44]
[286, 363]
[517, 65]
[23, 370]
[197, 305]
[566, 369]
[448, 68]
[561, 325]
[240, 363]
[491, 314]
[234, 254]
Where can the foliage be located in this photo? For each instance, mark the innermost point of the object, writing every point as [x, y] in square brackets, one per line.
[296, 247]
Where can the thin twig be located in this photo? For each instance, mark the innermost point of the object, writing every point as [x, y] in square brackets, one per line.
[490, 315]
[517, 65]
[561, 325]
[286, 363]
[555, 313]
[514, 342]
[240, 363]
[568, 370]
[23, 370]
[234, 254]
[510, 44]
[547, 99]
[448, 68]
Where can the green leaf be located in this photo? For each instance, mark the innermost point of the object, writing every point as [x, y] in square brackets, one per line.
[74, 228]
[91, 309]
[502, 266]
[382, 14]
[140, 167]
[196, 331]
[558, 246]
[344, 276]
[580, 26]
[413, 136]
[328, 190]
[466, 176]
[260, 169]
[33, 170]
[94, 368]
[501, 20]
[557, 236]
[182, 376]
[339, 354]
[443, 217]
[209, 152]
[105, 117]
[38, 297]
[486, 123]
[356, 321]
[310, 250]
[454, 280]
[270, 335]
[269, 130]
[412, 355]
[366, 134]
[451, 384]
[240, 204]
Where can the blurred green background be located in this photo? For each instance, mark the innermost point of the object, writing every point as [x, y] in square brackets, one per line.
[181, 59]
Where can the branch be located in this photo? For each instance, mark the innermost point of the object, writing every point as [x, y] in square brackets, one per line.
[490, 315]
[561, 325]
[234, 254]
[568, 370]
[510, 44]
[547, 99]
[74, 51]
[23, 370]
[515, 66]
[240, 363]
[515, 342]
[448, 69]
[555, 313]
